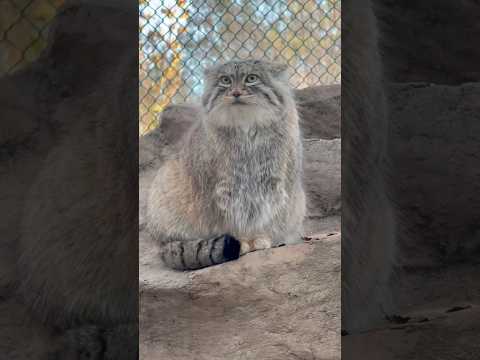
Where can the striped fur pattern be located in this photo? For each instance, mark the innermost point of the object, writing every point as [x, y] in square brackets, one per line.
[235, 185]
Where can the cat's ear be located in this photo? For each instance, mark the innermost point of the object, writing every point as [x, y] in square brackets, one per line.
[278, 69]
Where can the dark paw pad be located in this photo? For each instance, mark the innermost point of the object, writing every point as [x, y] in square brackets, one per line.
[231, 248]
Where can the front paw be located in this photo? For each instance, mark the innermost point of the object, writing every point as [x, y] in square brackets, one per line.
[259, 243]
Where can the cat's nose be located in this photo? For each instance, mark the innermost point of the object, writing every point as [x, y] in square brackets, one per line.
[236, 93]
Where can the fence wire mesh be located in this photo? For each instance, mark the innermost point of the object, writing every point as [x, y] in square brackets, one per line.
[24, 26]
[178, 38]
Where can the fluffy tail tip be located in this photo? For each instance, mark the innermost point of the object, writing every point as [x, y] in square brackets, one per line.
[231, 248]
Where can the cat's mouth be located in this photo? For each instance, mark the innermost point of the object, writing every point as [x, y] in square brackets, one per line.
[239, 100]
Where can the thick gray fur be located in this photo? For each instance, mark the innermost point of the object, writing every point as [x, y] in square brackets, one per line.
[238, 171]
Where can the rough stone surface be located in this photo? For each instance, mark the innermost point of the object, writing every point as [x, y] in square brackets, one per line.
[435, 164]
[436, 144]
[276, 304]
[439, 318]
[319, 110]
[432, 41]
[432, 335]
[322, 183]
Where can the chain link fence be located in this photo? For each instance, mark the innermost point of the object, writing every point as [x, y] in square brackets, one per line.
[24, 26]
[178, 38]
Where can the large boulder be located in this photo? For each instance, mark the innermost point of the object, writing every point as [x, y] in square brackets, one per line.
[435, 170]
[322, 181]
[319, 110]
[277, 304]
[435, 151]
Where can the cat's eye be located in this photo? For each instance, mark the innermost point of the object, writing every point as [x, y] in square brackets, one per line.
[225, 81]
[252, 78]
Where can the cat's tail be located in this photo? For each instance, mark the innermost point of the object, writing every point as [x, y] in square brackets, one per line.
[197, 254]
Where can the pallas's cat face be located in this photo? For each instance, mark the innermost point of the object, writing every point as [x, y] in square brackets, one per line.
[243, 83]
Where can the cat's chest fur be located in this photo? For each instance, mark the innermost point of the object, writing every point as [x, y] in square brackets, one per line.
[247, 161]
[246, 182]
